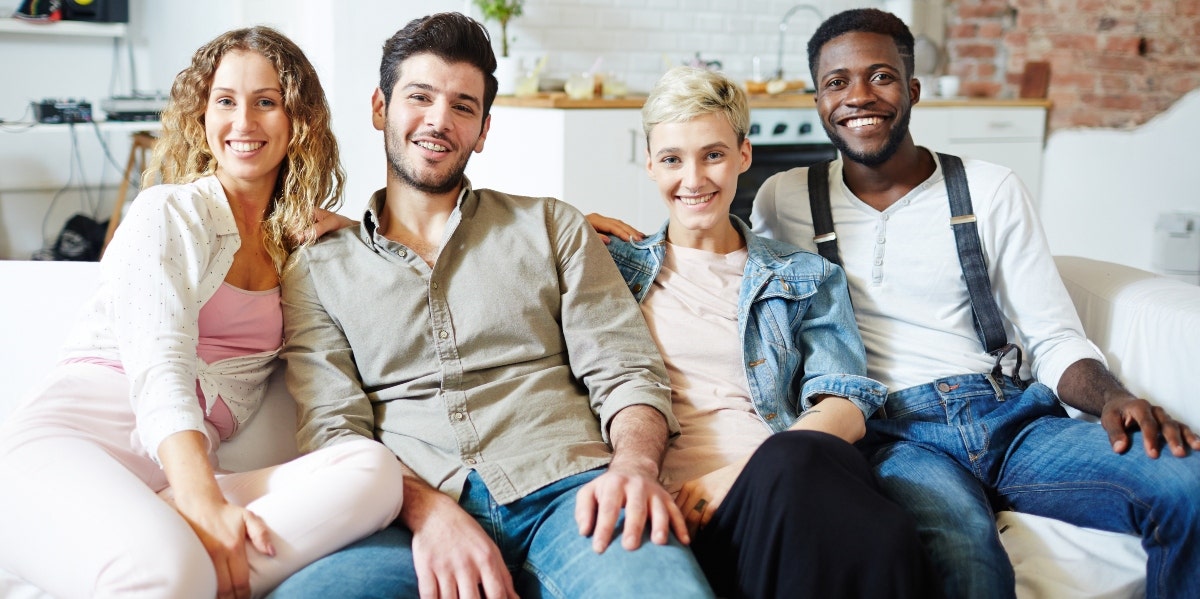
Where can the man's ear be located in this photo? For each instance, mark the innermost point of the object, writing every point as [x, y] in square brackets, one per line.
[914, 89]
[378, 110]
[487, 124]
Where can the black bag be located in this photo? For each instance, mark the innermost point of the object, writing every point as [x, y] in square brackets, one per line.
[81, 240]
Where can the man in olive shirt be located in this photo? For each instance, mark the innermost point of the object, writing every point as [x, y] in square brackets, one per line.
[489, 341]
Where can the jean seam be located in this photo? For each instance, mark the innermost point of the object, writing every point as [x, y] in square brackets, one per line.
[545, 581]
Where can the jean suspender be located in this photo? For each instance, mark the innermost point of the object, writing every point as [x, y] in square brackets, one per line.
[986, 314]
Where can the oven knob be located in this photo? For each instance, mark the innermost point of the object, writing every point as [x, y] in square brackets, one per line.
[779, 129]
[805, 128]
[755, 129]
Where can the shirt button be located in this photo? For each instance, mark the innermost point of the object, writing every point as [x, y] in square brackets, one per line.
[943, 387]
[443, 334]
[434, 285]
[881, 240]
[403, 252]
[883, 216]
[770, 416]
[459, 416]
[878, 262]
[636, 287]
[470, 461]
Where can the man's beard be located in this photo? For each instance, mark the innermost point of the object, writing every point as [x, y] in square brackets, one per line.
[402, 168]
[872, 159]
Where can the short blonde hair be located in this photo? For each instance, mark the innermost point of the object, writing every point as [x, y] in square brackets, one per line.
[685, 93]
[311, 175]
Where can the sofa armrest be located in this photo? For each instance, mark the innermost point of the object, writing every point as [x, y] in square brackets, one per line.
[1146, 325]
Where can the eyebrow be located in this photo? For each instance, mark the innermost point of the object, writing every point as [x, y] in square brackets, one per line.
[429, 88]
[711, 146]
[874, 67]
[260, 90]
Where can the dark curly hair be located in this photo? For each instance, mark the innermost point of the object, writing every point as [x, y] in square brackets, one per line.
[452, 37]
[867, 20]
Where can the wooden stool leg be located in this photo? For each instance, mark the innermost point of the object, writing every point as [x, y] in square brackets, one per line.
[135, 149]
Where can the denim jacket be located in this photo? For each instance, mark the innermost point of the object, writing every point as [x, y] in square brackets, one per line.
[799, 338]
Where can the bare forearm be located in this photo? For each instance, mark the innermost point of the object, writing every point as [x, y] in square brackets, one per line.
[639, 438]
[835, 415]
[1087, 385]
[184, 457]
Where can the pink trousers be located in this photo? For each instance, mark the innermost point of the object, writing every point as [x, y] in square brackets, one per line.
[82, 509]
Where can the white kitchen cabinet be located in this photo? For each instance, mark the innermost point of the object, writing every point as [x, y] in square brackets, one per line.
[593, 158]
[1013, 136]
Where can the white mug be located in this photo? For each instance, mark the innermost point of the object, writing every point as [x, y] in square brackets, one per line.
[947, 86]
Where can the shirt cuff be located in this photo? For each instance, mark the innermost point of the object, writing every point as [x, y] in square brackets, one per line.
[865, 393]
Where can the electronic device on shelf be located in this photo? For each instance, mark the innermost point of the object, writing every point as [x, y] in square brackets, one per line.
[62, 110]
[133, 108]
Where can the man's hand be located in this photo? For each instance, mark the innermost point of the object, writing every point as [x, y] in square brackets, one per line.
[598, 508]
[639, 437]
[606, 226]
[326, 222]
[452, 555]
[699, 498]
[1088, 386]
[1129, 413]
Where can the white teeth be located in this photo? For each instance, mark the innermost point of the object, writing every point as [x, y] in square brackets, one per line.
[695, 201]
[863, 122]
[428, 145]
[246, 146]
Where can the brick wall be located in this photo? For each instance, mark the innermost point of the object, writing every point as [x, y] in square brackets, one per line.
[1113, 63]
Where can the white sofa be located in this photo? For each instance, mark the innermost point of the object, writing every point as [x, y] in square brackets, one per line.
[1147, 326]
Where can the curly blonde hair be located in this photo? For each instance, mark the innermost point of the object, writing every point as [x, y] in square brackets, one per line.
[311, 175]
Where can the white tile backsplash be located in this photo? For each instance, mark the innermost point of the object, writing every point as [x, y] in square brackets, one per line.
[636, 39]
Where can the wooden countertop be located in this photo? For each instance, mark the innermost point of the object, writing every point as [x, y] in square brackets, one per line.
[786, 100]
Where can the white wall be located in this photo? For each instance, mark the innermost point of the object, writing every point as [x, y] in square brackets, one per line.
[1103, 190]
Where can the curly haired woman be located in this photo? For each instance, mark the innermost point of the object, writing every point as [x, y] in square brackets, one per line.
[112, 481]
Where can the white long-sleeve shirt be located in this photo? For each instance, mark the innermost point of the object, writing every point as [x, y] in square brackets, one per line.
[910, 296]
[171, 253]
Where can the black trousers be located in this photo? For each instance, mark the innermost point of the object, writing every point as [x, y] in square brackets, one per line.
[806, 518]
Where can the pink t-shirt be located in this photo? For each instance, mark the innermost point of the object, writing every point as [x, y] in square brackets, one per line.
[234, 322]
[692, 313]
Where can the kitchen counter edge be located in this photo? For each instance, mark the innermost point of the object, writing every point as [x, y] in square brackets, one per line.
[781, 101]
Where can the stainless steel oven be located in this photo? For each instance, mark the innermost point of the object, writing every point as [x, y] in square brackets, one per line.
[782, 138]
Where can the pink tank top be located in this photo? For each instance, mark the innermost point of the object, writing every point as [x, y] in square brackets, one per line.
[234, 322]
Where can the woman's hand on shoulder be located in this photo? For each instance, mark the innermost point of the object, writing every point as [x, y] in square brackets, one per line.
[328, 221]
[606, 226]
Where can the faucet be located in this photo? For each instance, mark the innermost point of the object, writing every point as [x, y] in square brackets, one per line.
[783, 24]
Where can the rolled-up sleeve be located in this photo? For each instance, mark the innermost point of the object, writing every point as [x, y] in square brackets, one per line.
[321, 374]
[835, 361]
[610, 347]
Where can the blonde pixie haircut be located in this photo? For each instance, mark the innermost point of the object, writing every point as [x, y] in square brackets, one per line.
[684, 93]
[311, 175]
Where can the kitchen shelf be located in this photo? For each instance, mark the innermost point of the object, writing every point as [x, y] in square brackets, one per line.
[74, 28]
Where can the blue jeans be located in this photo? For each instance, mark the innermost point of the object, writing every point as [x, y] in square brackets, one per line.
[950, 450]
[540, 542]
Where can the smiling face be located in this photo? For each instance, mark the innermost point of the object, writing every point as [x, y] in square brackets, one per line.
[696, 164]
[245, 123]
[432, 123]
[864, 96]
